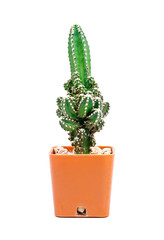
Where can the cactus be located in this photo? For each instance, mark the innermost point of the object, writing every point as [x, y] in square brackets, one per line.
[82, 111]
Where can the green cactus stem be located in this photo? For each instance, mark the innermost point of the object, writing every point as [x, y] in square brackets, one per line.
[79, 54]
[82, 111]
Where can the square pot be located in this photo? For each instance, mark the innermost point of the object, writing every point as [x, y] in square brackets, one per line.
[81, 183]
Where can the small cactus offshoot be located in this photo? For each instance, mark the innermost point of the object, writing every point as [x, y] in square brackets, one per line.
[83, 110]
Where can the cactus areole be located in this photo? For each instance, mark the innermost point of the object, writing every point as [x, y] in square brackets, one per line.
[83, 110]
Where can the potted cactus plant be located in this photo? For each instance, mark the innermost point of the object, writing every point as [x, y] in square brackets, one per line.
[81, 173]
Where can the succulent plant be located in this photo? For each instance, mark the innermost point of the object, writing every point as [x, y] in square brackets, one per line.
[83, 110]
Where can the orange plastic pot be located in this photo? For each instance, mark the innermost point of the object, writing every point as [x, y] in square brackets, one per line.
[81, 181]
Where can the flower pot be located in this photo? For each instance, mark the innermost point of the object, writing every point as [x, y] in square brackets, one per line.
[81, 184]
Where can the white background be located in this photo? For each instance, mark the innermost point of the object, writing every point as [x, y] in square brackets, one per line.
[127, 48]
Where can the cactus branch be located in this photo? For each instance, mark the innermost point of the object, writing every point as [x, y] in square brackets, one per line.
[79, 54]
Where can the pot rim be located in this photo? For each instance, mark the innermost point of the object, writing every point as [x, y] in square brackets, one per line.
[87, 155]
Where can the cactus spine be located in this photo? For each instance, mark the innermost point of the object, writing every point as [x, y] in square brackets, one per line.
[82, 112]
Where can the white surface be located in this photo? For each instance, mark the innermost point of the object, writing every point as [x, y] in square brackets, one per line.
[127, 48]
